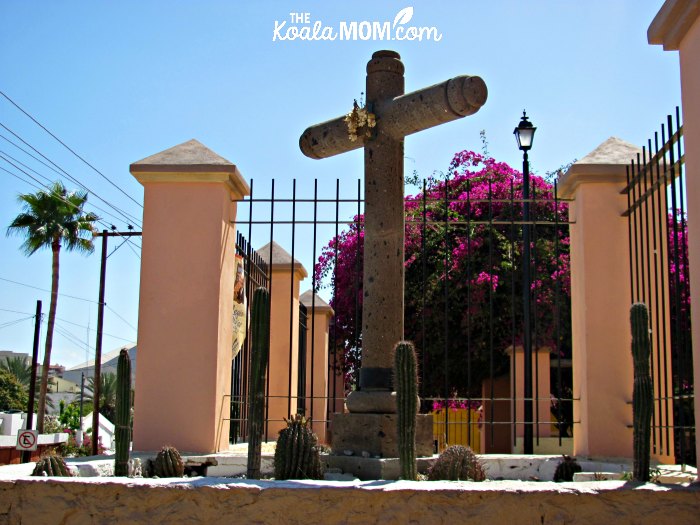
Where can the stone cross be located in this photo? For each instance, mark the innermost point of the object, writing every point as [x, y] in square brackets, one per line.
[397, 115]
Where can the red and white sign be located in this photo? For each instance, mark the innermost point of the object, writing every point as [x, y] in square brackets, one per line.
[26, 440]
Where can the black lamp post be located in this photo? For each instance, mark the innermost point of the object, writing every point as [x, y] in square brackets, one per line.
[524, 134]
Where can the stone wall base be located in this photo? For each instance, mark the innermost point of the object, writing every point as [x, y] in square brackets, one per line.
[215, 501]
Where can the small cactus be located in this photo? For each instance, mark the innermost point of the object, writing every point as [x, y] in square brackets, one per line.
[169, 464]
[406, 386]
[457, 463]
[260, 352]
[643, 395]
[122, 435]
[566, 469]
[297, 454]
[51, 464]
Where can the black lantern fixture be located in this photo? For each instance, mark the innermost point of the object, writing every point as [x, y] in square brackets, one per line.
[524, 134]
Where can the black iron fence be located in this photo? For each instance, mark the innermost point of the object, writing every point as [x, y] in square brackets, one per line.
[463, 302]
[658, 240]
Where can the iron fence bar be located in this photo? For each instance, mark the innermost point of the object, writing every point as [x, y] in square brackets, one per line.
[667, 145]
[248, 199]
[313, 302]
[557, 292]
[533, 299]
[491, 277]
[334, 339]
[657, 185]
[417, 221]
[676, 348]
[445, 308]
[635, 252]
[248, 342]
[662, 202]
[644, 270]
[686, 352]
[651, 298]
[291, 305]
[514, 409]
[269, 289]
[685, 348]
[629, 237]
[301, 359]
[469, 263]
[250, 296]
[424, 214]
[358, 343]
[658, 298]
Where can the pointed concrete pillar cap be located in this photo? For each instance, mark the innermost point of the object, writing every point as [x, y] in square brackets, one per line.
[312, 300]
[607, 163]
[190, 161]
[281, 259]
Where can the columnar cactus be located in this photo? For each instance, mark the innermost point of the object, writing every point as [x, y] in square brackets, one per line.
[643, 395]
[122, 435]
[169, 464]
[406, 385]
[297, 454]
[51, 464]
[260, 352]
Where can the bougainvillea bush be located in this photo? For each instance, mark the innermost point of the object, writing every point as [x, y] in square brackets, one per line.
[463, 284]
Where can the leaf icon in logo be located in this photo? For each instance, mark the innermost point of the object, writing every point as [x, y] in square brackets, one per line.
[404, 16]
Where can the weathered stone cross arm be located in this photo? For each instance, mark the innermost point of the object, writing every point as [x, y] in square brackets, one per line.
[400, 116]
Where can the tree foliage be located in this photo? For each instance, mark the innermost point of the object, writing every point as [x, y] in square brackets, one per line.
[13, 396]
[463, 282]
[20, 367]
[108, 394]
[53, 218]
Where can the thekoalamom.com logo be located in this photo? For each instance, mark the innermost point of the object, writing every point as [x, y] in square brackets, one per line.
[299, 26]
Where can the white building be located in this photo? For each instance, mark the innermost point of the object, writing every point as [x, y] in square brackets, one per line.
[108, 365]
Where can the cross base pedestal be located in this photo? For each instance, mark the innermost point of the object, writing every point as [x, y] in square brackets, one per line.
[367, 469]
[376, 434]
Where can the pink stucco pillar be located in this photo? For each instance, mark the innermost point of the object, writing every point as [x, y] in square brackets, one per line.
[317, 378]
[542, 390]
[185, 331]
[283, 380]
[600, 301]
[677, 27]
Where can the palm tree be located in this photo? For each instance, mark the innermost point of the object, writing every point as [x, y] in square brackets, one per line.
[20, 367]
[53, 218]
[108, 394]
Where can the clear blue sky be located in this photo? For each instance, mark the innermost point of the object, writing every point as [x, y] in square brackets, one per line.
[118, 81]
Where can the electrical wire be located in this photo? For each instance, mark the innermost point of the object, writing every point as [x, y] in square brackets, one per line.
[93, 330]
[16, 321]
[130, 217]
[20, 178]
[48, 181]
[61, 320]
[54, 193]
[120, 317]
[127, 241]
[48, 291]
[70, 149]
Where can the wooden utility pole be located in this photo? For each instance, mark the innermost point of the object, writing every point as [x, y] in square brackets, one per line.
[96, 381]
